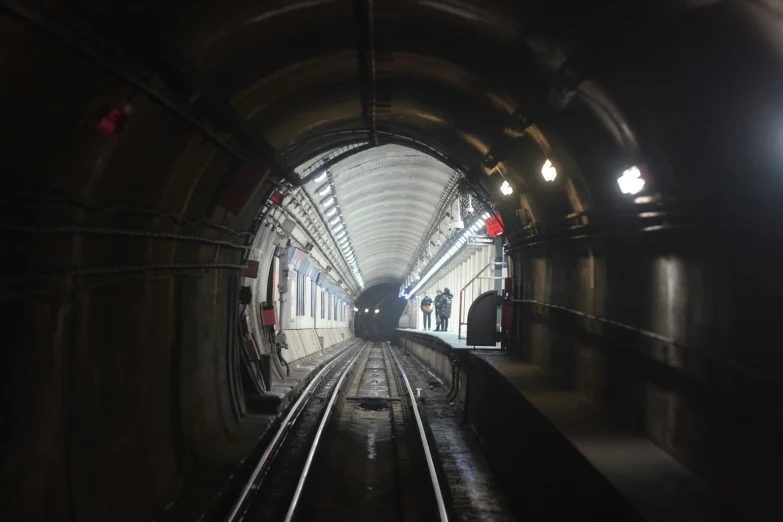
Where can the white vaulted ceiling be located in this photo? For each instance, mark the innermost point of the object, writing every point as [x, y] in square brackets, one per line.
[388, 196]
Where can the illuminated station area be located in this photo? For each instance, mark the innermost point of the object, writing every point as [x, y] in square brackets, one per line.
[392, 260]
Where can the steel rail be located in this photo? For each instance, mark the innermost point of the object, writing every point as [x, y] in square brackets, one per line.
[444, 517]
[311, 455]
[285, 426]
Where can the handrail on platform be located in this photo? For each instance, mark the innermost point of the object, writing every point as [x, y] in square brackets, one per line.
[462, 290]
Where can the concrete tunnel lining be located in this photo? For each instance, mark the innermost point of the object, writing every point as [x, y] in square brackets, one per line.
[116, 382]
[383, 190]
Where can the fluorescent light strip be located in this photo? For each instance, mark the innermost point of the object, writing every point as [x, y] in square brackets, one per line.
[453, 250]
[341, 238]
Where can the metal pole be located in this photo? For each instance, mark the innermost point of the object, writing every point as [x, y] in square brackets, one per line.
[498, 272]
[282, 286]
[459, 317]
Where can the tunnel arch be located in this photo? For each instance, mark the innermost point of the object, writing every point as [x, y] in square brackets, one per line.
[112, 332]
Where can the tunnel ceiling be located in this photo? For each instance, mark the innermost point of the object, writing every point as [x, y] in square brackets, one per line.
[389, 197]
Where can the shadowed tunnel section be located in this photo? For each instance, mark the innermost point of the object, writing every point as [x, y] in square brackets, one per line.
[176, 120]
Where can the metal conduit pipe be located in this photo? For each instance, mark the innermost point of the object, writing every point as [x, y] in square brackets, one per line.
[455, 377]
[316, 243]
[257, 378]
[124, 269]
[322, 228]
[259, 286]
[323, 225]
[57, 196]
[329, 163]
[117, 232]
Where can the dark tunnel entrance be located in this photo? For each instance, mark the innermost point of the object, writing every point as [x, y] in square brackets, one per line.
[174, 270]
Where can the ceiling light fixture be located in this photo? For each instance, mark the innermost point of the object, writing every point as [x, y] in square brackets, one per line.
[631, 181]
[324, 189]
[422, 280]
[549, 171]
[327, 201]
[506, 189]
[320, 178]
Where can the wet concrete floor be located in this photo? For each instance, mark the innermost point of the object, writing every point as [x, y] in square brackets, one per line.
[368, 468]
[473, 491]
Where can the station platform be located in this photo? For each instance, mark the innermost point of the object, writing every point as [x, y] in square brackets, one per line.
[449, 338]
[556, 454]
[557, 443]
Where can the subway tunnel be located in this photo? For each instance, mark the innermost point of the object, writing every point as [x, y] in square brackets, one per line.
[170, 166]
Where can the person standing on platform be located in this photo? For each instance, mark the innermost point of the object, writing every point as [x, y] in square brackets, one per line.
[438, 299]
[445, 309]
[426, 307]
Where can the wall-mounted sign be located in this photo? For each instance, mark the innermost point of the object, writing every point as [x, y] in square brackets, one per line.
[480, 240]
[276, 197]
[251, 270]
[296, 257]
[494, 225]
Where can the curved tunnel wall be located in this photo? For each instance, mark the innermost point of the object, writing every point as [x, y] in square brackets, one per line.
[117, 386]
[117, 382]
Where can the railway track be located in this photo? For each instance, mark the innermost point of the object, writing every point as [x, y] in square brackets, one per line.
[353, 447]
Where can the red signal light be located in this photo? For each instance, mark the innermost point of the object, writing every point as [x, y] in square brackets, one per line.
[494, 225]
[111, 120]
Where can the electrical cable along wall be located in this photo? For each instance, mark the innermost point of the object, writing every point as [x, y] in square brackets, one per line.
[140, 145]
